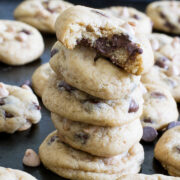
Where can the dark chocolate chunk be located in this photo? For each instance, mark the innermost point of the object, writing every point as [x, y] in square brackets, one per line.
[66, 86]
[161, 62]
[99, 13]
[162, 15]
[133, 107]
[157, 95]
[38, 107]
[2, 102]
[135, 16]
[178, 148]
[173, 124]
[107, 46]
[170, 26]
[54, 51]
[82, 137]
[149, 134]
[25, 31]
[147, 120]
[53, 138]
[8, 115]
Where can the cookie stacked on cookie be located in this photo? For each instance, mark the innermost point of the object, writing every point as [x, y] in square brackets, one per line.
[94, 96]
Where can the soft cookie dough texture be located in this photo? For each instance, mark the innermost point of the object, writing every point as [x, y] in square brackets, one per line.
[142, 22]
[109, 36]
[19, 108]
[19, 43]
[165, 15]
[74, 164]
[167, 151]
[40, 78]
[41, 14]
[14, 174]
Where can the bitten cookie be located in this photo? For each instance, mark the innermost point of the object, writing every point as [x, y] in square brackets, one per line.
[167, 151]
[141, 20]
[19, 43]
[74, 164]
[98, 77]
[41, 14]
[108, 36]
[40, 78]
[159, 107]
[98, 140]
[165, 71]
[147, 177]
[165, 15]
[73, 104]
[19, 108]
[13, 174]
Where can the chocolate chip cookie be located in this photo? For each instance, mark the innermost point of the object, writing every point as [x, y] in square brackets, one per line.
[159, 107]
[19, 108]
[142, 22]
[96, 76]
[165, 15]
[40, 78]
[14, 174]
[165, 71]
[76, 105]
[19, 43]
[109, 141]
[74, 164]
[167, 151]
[147, 177]
[109, 37]
[41, 14]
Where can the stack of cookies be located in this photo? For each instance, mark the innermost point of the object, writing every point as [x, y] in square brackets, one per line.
[95, 97]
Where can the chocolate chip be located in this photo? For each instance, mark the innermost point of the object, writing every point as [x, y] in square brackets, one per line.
[135, 16]
[53, 138]
[133, 107]
[38, 107]
[8, 115]
[169, 25]
[25, 31]
[162, 15]
[149, 134]
[2, 102]
[99, 13]
[178, 148]
[54, 51]
[147, 120]
[50, 10]
[157, 95]
[93, 100]
[82, 137]
[173, 124]
[161, 62]
[66, 86]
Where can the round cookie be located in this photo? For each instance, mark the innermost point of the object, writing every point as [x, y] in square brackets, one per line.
[19, 108]
[165, 15]
[98, 78]
[109, 141]
[147, 177]
[166, 71]
[41, 14]
[13, 174]
[142, 21]
[74, 164]
[167, 151]
[73, 104]
[40, 78]
[19, 43]
[110, 37]
[159, 107]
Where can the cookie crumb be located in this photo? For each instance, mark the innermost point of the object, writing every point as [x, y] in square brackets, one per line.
[31, 158]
